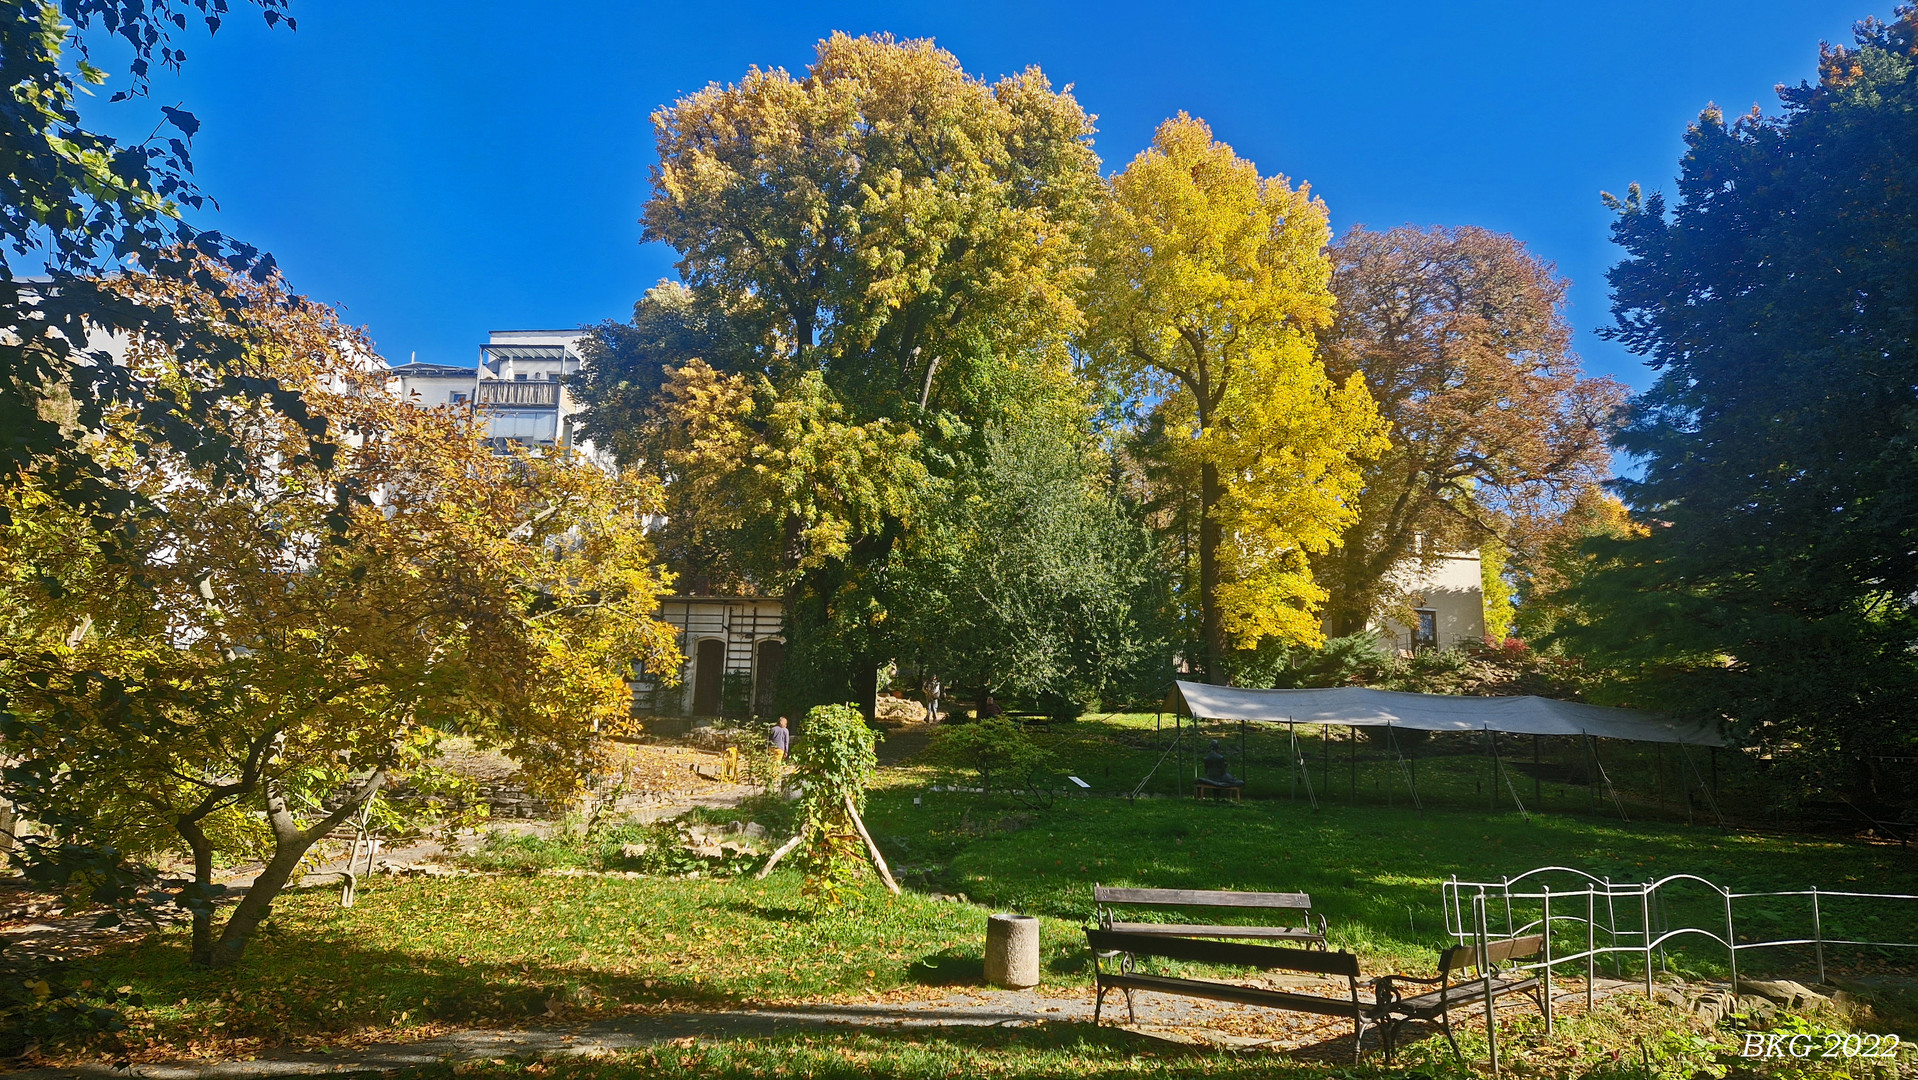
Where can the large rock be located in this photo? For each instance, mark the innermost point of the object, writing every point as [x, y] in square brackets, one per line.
[1792, 995]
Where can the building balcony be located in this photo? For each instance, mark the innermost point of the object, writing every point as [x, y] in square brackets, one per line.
[538, 395]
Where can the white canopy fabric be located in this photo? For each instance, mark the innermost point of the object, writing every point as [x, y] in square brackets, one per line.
[1357, 706]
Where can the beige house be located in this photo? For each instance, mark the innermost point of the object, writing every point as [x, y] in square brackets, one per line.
[1447, 601]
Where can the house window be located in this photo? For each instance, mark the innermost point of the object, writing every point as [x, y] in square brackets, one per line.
[457, 398]
[1425, 635]
[519, 378]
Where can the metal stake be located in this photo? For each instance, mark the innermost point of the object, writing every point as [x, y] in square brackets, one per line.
[1645, 907]
[1591, 944]
[1547, 921]
[1817, 934]
[1731, 939]
[1485, 974]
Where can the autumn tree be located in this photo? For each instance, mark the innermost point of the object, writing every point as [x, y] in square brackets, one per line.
[879, 241]
[1210, 283]
[251, 662]
[1460, 335]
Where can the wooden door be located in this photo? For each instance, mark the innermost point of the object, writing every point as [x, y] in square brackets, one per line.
[709, 664]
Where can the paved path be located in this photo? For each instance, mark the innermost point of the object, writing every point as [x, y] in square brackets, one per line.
[1183, 1020]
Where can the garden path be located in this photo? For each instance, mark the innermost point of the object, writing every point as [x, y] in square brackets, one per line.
[1182, 1020]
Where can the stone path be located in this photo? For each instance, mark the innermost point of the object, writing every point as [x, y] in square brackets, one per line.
[1182, 1020]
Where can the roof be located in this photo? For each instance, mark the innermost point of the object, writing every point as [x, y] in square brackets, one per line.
[1358, 706]
[421, 370]
[525, 352]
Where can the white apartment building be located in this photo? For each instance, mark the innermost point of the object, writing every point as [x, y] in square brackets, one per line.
[516, 386]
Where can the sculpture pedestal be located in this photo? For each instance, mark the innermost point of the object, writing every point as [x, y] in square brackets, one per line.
[1012, 951]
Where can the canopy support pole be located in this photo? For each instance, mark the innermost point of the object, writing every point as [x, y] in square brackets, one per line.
[1536, 796]
[1405, 768]
[1599, 767]
[1292, 736]
[1355, 766]
[1499, 768]
[1150, 773]
[1243, 771]
[1298, 767]
[1711, 800]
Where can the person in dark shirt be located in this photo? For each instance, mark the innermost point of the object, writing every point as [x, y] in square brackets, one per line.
[782, 740]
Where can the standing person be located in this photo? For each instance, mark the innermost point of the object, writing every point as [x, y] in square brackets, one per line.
[782, 740]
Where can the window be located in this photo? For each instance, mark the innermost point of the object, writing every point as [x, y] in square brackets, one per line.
[519, 378]
[1425, 635]
[457, 397]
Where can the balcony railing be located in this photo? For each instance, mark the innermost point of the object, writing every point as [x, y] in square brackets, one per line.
[534, 394]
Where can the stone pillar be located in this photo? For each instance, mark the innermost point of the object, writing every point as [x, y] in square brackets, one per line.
[1012, 951]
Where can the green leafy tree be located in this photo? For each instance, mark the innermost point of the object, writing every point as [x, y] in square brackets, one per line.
[243, 669]
[881, 240]
[77, 206]
[1777, 298]
[1037, 583]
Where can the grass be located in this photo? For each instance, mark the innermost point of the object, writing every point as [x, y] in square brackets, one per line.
[420, 955]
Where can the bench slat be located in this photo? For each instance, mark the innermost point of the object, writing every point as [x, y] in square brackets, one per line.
[1200, 898]
[1287, 933]
[1269, 957]
[1242, 995]
[1461, 994]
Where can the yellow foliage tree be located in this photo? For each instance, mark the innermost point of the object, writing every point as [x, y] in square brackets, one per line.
[1210, 284]
[245, 659]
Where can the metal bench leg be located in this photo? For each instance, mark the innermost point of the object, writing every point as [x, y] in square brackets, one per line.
[1098, 1004]
[1131, 1016]
[1358, 1039]
[1445, 1025]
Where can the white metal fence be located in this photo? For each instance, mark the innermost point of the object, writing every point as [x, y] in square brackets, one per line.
[1639, 921]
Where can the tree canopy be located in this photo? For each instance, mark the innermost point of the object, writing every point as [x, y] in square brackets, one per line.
[243, 668]
[1461, 337]
[869, 253]
[1210, 284]
[77, 206]
[1775, 583]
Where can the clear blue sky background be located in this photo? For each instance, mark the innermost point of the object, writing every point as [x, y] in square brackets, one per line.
[444, 169]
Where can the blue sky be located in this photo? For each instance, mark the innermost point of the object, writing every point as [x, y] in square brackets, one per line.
[443, 169]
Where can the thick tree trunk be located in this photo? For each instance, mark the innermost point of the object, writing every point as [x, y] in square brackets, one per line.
[1212, 620]
[865, 687]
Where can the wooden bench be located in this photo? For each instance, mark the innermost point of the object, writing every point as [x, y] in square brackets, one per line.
[1107, 897]
[1128, 947]
[1494, 979]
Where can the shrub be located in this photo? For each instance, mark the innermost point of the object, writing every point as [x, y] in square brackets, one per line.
[998, 754]
[834, 759]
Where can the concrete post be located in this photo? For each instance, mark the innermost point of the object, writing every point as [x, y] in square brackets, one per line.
[1012, 951]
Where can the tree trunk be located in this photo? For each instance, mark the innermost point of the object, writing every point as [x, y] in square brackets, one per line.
[258, 902]
[865, 687]
[290, 845]
[1210, 534]
[201, 954]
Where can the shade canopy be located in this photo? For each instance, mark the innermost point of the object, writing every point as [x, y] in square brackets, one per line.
[1357, 706]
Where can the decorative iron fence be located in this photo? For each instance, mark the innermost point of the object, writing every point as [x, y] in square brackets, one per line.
[1643, 921]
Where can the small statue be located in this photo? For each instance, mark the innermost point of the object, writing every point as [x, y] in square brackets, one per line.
[1215, 774]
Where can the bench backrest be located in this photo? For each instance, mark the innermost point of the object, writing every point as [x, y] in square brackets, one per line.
[1102, 894]
[1199, 950]
[1461, 957]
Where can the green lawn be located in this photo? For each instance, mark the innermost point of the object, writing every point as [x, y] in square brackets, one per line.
[421, 954]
